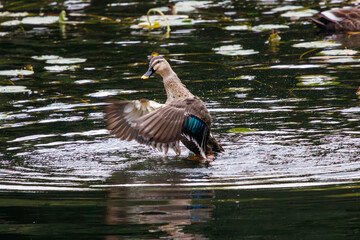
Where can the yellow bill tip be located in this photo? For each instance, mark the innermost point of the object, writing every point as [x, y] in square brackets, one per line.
[144, 77]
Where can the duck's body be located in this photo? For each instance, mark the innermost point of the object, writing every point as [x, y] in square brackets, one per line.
[339, 19]
[183, 117]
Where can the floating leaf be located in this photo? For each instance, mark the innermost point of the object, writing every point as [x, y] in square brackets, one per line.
[186, 6]
[265, 27]
[158, 21]
[13, 89]
[233, 50]
[58, 68]
[316, 44]
[61, 60]
[45, 57]
[40, 20]
[317, 80]
[11, 23]
[300, 14]
[237, 28]
[343, 60]
[33, 21]
[285, 8]
[240, 130]
[13, 14]
[338, 52]
[19, 72]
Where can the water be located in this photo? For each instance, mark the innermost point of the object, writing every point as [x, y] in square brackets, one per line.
[286, 113]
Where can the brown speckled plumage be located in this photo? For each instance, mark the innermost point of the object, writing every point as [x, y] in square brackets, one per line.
[339, 19]
[162, 126]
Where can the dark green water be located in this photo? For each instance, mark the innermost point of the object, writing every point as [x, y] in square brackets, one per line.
[286, 113]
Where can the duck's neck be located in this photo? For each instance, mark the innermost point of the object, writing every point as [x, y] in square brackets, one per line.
[174, 87]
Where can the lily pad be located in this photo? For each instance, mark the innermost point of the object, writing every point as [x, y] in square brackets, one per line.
[187, 6]
[13, 14]
[40, 20]
[237, 28]
[317, 80]
[11, 23]
[54, 59]
[240, 130]
[158, 21]
[45, 57]
[234, 50]
[300, 14]
[16, 72]
[61, 60]
[316, 44]
[265, 27]
[338, 52]
[13, 89]
[285, 8]
[33, 21]
[343, 60]
[61, 68]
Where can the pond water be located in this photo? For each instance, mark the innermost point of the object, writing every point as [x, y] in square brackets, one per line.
[286, 112]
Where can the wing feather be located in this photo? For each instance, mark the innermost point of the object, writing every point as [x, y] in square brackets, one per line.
[120, 114]
[162, 127]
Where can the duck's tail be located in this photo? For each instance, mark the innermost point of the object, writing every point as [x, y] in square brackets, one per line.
[324, 23]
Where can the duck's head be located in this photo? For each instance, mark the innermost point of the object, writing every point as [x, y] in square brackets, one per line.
[159, 65]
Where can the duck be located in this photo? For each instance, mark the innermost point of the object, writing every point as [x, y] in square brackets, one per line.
[345, 19]
[182, 118]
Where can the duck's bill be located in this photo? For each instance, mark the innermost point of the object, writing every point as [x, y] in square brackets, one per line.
[149, 72]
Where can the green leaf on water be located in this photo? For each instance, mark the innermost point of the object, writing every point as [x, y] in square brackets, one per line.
[240, 130]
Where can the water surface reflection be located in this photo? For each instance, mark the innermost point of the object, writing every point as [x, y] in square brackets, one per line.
[286, 113]
[168, 208]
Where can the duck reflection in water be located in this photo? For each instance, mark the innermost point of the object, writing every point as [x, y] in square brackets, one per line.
[170, 207]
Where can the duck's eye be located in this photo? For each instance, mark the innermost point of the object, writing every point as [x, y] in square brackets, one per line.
[157, 62]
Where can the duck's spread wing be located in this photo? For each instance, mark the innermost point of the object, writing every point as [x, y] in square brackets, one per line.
[180, 118]
[120, 114]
